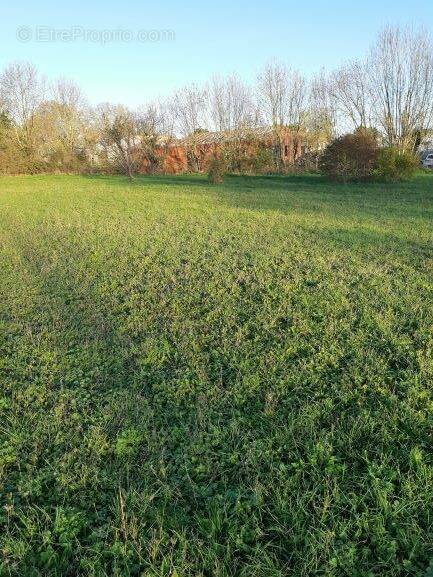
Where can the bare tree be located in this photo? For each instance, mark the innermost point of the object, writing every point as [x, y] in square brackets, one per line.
[65, 121]
[155, 133]
[22, 91]
[188, 108]
[129, 138]
[282, 95]
[119, 136]
[401, 83]
[231, 105]
[297, 103]
[350, 92]
[321, 117]
[67, 93]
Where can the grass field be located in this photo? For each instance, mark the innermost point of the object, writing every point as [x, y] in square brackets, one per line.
[215, 381]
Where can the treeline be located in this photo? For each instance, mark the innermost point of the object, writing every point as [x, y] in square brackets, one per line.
[49, 126]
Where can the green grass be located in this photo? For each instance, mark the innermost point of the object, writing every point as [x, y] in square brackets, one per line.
[215, 381]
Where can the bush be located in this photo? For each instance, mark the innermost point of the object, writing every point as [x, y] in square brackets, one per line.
[216, 169]
[395, 164]
[262, 161]
[247, 157]
[308, 162]
[351, 157]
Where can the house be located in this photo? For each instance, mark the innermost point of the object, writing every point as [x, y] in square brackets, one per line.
[192, 154]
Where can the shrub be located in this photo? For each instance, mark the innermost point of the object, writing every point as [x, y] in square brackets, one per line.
[395, 164]
[262, 161]
[351, 157]
[247, 157]
[308, 162]
[216, 169]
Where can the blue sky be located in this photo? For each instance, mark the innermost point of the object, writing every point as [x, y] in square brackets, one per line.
[210, 38]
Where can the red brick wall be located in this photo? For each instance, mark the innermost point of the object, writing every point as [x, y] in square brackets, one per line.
[174, 158]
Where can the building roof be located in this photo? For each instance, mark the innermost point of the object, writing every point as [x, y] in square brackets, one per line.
[207, 137]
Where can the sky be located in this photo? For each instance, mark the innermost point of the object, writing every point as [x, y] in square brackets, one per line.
[134, 51]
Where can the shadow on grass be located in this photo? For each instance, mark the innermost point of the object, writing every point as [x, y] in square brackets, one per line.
[308, 182]
[347, 216]
[230, 182]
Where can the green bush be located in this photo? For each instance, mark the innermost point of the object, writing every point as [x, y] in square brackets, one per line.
[262, 161]
[247, 158]
[395, 164]
[351, 157]
[216, 169]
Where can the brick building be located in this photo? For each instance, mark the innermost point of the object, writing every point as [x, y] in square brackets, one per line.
[191, 154]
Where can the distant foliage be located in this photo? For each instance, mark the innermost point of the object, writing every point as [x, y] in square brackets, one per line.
[50, 126]
[217, 169]
[395, 164]
[351, 157]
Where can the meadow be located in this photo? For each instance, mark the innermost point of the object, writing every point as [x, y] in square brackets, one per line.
[215, 381]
